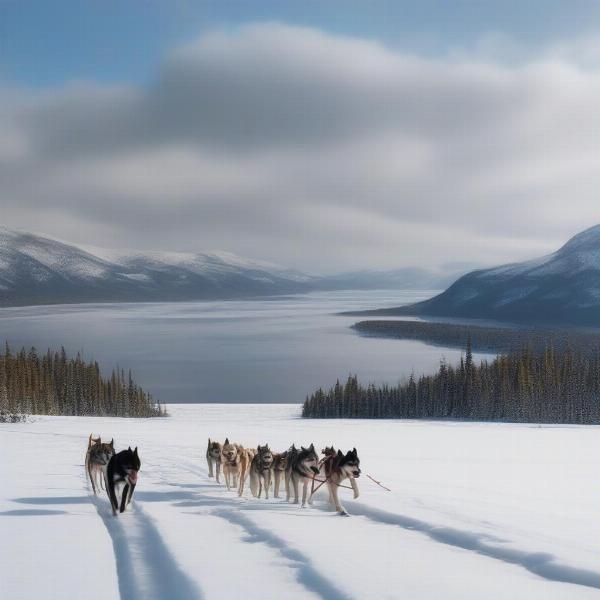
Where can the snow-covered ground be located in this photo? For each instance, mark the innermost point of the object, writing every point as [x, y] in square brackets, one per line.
[476, 511]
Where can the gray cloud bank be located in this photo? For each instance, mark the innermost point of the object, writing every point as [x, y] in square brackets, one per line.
[317, 151]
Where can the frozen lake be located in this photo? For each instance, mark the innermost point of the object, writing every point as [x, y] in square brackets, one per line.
[268, 350]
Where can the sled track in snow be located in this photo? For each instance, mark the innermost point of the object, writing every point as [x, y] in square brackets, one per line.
[307, 574]
[145, 567]
[542, 564]
[170, 581]
[232, 510]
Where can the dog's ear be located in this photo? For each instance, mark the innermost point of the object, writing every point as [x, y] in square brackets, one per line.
[135, 451]
[311, 447]
[339, 454]
[354, 451]
[302, 448]
[129, 448]
[112, 443]
[227, 441]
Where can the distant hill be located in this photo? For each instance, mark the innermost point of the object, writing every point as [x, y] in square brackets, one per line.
[562, 288]
[40, 270]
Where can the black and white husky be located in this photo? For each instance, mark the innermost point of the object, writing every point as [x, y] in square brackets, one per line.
[302, 467]
[121, 477]
[260, 471]
[337, 468]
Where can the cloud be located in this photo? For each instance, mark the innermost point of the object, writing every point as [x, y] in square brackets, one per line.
[318, 151]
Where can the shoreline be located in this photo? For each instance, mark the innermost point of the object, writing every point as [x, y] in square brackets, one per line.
[488, 339]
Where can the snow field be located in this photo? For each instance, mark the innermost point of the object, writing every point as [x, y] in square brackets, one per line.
[493, 511]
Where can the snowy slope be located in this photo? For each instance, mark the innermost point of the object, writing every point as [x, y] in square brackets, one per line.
[493, 511]
[561, 288]
[216, 262]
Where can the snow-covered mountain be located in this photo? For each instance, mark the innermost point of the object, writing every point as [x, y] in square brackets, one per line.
[560, 288]
[40, 270]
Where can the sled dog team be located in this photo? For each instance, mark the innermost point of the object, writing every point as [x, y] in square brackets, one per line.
[297, 466]
[116, 472]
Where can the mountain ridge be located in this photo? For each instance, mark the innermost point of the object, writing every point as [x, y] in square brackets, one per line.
[36, 269]
[561, 288]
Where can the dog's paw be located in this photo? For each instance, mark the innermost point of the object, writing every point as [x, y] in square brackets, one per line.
[343, 513]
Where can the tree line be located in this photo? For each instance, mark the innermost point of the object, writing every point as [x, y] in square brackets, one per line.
[502, 340]
[54, 384]
[546, 386]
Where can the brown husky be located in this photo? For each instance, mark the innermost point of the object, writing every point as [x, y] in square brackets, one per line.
[328, 451]
[96, 459]
[231, 461]
[280, 461]
[213, 457]
[92, 441]
[246, 456]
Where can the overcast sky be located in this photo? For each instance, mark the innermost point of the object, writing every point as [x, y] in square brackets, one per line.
[324, 136]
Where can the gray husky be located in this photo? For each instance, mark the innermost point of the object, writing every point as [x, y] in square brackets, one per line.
[213, 457]
[302, 467]
[260, 471]
[96, 459]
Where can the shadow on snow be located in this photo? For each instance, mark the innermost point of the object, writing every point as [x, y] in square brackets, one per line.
[540, 563]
